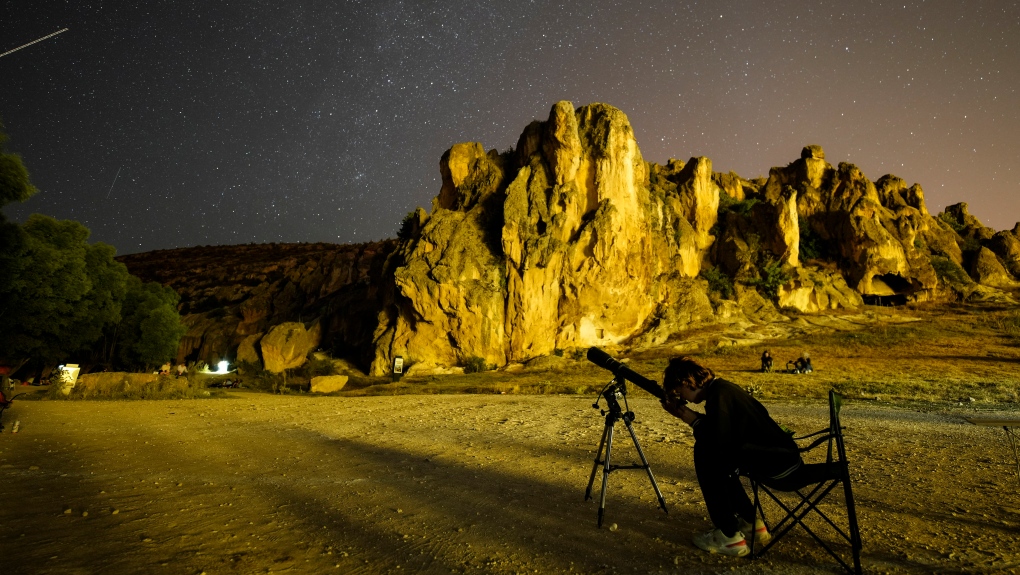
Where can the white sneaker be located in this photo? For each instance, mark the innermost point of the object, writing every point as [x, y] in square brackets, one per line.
[715, 542]
[761, 533]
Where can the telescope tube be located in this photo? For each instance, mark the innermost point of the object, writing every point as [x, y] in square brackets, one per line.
[606, 361]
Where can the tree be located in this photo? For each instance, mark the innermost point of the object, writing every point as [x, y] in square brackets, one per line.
[14, 183]
[151, 328]
[59, 294]
[62, 292]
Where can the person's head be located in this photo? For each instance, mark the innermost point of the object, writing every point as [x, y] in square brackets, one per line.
[685, 379]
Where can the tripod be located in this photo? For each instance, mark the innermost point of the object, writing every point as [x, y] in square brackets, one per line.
[613, 392]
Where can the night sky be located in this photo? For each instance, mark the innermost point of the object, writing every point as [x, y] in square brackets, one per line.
[164, 124]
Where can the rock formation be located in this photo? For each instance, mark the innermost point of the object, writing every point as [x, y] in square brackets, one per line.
[287, 345]
[573, 240]
[233, 295]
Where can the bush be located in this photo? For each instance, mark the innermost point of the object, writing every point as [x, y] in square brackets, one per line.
[813, 246]
[474, 364]
[718, 281]
[949, 272]
[256, 377]
[957, 226]
[315, 368]
[771, 276]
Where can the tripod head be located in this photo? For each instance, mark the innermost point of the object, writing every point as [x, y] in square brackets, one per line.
[614, 391]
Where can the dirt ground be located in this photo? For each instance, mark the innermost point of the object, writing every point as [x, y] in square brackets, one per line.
[259, 483]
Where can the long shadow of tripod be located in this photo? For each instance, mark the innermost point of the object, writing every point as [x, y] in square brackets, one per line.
[615, 391]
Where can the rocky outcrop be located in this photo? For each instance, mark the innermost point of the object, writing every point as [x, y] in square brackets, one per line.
[987, 270]
[287, 345]
[815, 290]
[583, 255]
[232, 293]
[572, 240]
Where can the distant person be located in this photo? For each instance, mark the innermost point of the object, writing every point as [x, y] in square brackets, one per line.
[766, 362]
[803, 364]
[165, 369]
[182, 370]
[734, 436]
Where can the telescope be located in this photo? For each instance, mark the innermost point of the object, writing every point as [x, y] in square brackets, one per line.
[614, 391]
[622, 372]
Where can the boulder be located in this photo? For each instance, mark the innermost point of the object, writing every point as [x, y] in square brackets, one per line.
[287, 345]
[247, 352]
[328, 383]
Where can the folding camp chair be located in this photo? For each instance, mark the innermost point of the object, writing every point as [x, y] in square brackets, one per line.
[799, 494]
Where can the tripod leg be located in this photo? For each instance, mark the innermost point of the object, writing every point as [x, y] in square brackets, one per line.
[606, 468]
[598, 460]
[648, 468]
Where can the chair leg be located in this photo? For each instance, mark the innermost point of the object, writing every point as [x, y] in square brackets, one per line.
[851, 514]
[796, 514]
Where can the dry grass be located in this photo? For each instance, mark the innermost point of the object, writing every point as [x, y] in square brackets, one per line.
[930, 355]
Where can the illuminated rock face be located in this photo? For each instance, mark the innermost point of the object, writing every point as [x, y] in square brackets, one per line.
[573, 240]
[558, 245]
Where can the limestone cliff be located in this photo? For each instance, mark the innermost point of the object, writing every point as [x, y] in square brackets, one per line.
[572, 240]
[560, 245]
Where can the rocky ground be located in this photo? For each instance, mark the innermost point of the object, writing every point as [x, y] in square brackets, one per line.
[258, 483]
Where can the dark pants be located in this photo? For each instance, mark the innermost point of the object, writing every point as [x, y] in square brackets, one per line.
[720, 486]
[720, 483]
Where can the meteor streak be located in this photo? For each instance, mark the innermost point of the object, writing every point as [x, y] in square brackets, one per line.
[47, 37]
[114, 182]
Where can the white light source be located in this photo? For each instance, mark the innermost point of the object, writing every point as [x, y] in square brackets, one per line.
[222, 367]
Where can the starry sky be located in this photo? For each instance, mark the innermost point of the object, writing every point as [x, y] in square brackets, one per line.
[165, 124]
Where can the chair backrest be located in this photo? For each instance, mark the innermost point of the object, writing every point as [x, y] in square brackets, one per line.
[836, 430]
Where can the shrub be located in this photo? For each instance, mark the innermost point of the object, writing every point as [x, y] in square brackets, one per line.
[771, 276]
[957, 226]
[315, 368]
[813, 246]
[949, 271]
[718, 281]
[474, 364]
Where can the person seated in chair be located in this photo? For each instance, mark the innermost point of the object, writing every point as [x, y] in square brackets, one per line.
[766, 362]
[734, 436]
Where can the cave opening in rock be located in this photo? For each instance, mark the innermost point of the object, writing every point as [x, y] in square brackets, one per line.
[888, 290]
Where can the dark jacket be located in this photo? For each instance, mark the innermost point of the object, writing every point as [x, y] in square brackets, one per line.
[740, 431]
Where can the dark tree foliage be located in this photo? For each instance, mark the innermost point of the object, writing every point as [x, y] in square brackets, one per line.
[151, 329]
[62, 292]
[14, 183]
[59, 294]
